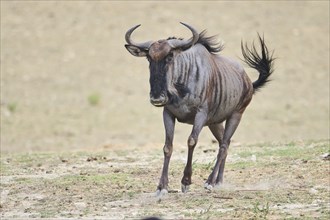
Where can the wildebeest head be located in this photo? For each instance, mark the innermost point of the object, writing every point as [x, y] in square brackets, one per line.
[160, 55]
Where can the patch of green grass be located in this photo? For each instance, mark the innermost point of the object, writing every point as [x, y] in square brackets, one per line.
[260, 211]
[4, 169]
[48, 213]
[23, 180]
[293, 150]
[119, 178]
[111, 178]
[196, 202]
[202, 166]
[113, 185]
[12, 107]
[241, 164]
[13, 164]
[29, 159]
[94, 99]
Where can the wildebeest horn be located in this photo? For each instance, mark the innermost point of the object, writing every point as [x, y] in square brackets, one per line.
[128, 39]
[185, 43]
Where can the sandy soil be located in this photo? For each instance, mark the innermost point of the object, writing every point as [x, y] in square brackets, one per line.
[57, 56]
[267, 181]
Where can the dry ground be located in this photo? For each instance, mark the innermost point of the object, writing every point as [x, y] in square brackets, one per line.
[266, 181]
[79, 138]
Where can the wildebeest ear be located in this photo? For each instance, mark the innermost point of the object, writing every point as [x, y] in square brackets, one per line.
[136, 51]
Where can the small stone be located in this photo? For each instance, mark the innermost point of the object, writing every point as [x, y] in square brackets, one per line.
[116, 171]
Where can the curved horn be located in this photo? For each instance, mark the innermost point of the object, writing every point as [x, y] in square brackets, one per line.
[185, 43]
[128, 39]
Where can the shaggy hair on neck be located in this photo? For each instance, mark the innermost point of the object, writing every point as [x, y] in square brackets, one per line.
[210, 43]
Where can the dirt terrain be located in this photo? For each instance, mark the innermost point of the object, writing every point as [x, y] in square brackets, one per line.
[272, 181]
[79, 138]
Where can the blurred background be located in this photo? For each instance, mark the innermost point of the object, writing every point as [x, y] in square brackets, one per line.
[68, 83]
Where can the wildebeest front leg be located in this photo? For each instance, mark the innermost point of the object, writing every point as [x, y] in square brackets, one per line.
[169, 123]
[216, 177]
[199, 122]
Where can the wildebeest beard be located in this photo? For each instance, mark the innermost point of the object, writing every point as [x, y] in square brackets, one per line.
[158, 82]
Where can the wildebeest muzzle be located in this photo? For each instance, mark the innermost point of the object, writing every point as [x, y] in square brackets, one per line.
[160, 101]
[158, 83]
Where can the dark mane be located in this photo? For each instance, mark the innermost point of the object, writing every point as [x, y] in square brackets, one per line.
[171, 38]
[210, 43]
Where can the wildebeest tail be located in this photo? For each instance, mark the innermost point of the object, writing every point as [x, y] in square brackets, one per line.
[262, 63]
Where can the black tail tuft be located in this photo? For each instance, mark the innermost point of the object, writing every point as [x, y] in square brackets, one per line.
[263, 64]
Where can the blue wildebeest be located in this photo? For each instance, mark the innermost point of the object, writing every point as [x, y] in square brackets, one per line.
[198, 87]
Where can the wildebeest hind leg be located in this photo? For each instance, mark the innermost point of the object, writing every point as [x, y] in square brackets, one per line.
[231, 126]
[217, 131]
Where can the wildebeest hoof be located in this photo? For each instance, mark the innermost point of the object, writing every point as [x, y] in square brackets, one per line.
[184, 188]
[161, 193]
[208, 186]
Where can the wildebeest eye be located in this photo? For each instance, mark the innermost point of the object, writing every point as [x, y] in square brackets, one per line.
[169, 57]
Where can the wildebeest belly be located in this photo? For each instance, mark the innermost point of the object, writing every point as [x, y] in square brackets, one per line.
[185, 109]
[186, 114]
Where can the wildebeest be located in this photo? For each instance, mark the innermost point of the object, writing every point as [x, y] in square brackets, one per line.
[199, 87]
